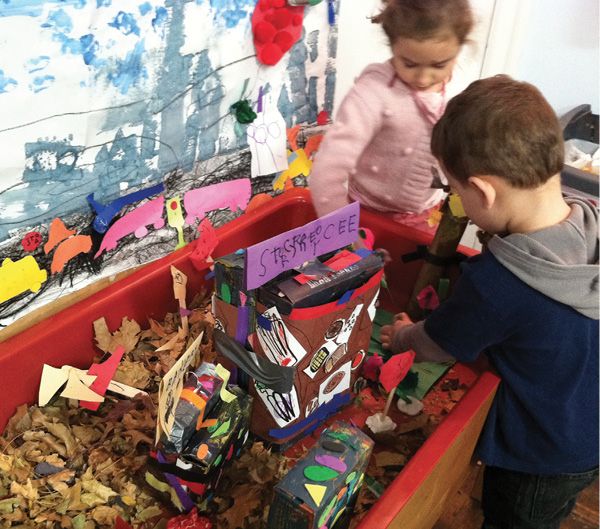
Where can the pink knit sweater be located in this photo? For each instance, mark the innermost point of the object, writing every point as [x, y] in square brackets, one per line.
[377, 150]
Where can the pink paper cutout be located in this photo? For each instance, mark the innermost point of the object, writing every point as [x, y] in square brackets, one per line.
[395, 369]
[105, 372]
[428, 298]
[204, 245]
[234, 195]
[134, 222]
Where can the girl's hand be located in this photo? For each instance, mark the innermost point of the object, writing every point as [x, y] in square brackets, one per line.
[388, 331]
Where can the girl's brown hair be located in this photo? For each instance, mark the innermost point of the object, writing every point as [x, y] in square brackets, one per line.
[425, 19]
[501, 127]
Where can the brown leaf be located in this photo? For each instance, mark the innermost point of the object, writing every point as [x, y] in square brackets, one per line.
[86, 434]
[105, 515]
[133, 374]
[127, 335]
[389, 459]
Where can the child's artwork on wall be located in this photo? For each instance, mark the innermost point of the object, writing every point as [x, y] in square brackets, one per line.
[117, 118]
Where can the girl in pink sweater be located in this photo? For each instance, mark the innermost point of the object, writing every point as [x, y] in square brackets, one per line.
[377, 150]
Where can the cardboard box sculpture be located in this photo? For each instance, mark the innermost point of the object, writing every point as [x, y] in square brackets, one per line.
[210, 427]
[321, 489]
[300, 335]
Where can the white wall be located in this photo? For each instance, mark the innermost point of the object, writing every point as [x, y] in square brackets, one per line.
[362, 42]
[553, 44]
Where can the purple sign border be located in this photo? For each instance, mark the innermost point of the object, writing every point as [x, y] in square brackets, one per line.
[268, 259]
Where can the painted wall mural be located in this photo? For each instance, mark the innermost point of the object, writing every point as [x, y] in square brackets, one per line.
[116, 121]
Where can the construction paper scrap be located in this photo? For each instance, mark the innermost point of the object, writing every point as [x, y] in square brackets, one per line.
[68, 249]
[345, 297]
[320, 473]
[317, 492]
[185, 500]
[263, 322]
[175, 219]
[267, 141]
[243, 321]
[312, 144]
[179, 292]
[171, 385]
[292, 137]
[52, 380]
[204, 245]
[322, 117]
[299, 165]
[395, 369]
[77, 389]
[342, 260]
[224, 374]
[57, 232]
[428, 299]
[290, 249]
[106, 213]
[434, 218]
[31, 241]
[331, 462]
[456, 206]
[135, 222]
[19, 276]
[104, 371]
[232, 195]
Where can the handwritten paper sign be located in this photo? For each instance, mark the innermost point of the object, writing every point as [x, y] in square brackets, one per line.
[269, 258]
[171, 385]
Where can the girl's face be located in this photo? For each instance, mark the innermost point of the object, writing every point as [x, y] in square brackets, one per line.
[425, 64]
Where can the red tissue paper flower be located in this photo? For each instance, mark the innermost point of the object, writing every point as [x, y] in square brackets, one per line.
[371, 367]
[189, 521]
[395, 369]
[276, 26]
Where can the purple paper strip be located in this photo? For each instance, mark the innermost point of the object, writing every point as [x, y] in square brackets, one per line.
[184, 312]
[241, 330]
[259, 106]
[185, 500]
[269, 258]
[332, 462]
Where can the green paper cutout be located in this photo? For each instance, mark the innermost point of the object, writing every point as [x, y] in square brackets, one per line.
[350, 477]
[218, 460]
[319, 473]
[225, 293]
[222, 429]
[325, 516]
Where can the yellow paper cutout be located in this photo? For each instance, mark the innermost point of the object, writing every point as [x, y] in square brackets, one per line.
[456, 207]
[317, 492]
[435, 218]
[19, 276]
[300, 166]
[175, 219]
[224, 374]
[76, 389]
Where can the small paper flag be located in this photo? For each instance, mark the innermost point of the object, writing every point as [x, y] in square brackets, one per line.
[395, 369]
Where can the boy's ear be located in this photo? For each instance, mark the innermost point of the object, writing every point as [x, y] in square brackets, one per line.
[485, 189]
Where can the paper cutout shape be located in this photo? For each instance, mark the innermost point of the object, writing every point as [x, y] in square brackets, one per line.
[69, 249]
[317, 492]
[299, 164]
[292, 137]
[320, 473]
[175, 219]
[104, 371]
[179, 292]
[232, 195]
[224, 374]
[106, 213]
[331, 462]
[456, 206]
[336, 383]
[283, 407]
[19, 276]
[267, 141]
[204, 245]
[134, 222]
[77, 389]
[31, 241]
[290, 249]
[57, 232]
[312, 144]
[278, 342]
[171, 385]
[395, 369]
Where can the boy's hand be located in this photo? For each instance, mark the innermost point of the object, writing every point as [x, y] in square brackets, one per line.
[388, 331]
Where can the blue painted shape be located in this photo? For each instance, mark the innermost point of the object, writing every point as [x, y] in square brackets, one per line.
[125, 23]
[6, 82]
[105, 214]
[363, 252]
[346, 297]
[33, 8]
[263, 322]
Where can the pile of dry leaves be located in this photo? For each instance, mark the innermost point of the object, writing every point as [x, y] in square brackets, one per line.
[62, 466]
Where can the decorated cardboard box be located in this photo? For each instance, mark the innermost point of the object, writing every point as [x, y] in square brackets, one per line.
[191, 474]
[321, 489]
[309, 325]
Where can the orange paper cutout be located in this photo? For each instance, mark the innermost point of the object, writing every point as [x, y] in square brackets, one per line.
[312, 144]
[69, 249]
[57, 232]
[292, 137]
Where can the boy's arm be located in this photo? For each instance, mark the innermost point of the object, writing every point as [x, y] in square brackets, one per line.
[356, 123]
[405, 335]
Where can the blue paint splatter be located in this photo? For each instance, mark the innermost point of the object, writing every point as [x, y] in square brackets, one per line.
[232, 11]
[89, 47]
[33, 8]
[59, 20]
[37, 63]
[129, 70]
[125, 23]
[6, 83]
[160, 19]
[145, 8]
[103, 3]
[41, 83]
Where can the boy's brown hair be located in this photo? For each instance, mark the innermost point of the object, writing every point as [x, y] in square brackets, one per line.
[502, 127]
[425, 19]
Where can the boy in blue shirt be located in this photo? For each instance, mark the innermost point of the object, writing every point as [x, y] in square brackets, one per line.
[530, 302]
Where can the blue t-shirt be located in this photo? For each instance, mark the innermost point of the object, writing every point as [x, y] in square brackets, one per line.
[544, 418]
